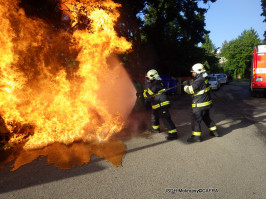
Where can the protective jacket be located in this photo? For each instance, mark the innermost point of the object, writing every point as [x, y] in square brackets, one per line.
[200, 91]
[155, 92]
[201, 103]
[160, 104]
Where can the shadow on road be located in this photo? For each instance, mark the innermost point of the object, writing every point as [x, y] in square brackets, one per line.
[233, 108]
[38, 172]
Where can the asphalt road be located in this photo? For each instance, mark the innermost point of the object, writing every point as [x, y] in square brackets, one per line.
[231, 166]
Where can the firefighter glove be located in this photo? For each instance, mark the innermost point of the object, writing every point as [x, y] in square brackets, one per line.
[185, 83]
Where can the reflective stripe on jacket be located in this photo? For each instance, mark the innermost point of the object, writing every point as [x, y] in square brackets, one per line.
[155, 93]
[160, 104]
[200, 92]
[197, 105]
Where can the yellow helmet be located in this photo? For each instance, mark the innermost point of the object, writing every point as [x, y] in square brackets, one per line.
[198, 68]
[152, 74]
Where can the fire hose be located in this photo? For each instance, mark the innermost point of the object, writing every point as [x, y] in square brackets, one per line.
[138, 94]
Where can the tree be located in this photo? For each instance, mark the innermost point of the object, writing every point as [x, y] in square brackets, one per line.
[172, 31]
[208, 46]
[238, 53]
[263, 5]
[129, 26]
[211, 59]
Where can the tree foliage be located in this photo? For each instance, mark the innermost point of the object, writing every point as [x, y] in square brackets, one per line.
[238, 53]
[263, 6]
[165, 35]
[208, 46]
[211, 60]
[129, 26]
[172, 30]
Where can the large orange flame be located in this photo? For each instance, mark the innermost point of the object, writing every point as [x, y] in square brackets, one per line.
[53, 102]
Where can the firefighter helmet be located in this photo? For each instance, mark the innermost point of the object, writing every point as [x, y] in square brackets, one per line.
[198, 68]
[152, 74]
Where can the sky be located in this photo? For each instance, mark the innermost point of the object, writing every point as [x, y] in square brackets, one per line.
[227, 19]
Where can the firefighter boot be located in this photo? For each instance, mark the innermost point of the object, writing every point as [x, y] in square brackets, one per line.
[171, 136]
[193, 139]
[214, 133]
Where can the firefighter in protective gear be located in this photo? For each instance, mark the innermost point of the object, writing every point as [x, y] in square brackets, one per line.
[199, 89]
[160, 104]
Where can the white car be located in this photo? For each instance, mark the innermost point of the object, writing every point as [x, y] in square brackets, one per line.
[222, 78]
[214, 82]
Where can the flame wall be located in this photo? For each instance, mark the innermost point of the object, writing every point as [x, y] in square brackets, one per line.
[84, 101]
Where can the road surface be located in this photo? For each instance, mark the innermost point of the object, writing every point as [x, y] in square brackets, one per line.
[231, 166]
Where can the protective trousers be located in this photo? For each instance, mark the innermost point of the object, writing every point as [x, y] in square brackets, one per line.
[199, 114]
[162, 112]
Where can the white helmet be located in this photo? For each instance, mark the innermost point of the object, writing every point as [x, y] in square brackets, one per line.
[152, 74]
[198, 68]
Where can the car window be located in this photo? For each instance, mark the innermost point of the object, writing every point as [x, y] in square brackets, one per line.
[212, 78]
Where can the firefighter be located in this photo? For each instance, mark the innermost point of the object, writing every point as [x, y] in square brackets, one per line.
[199, 89]
[160, 104]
